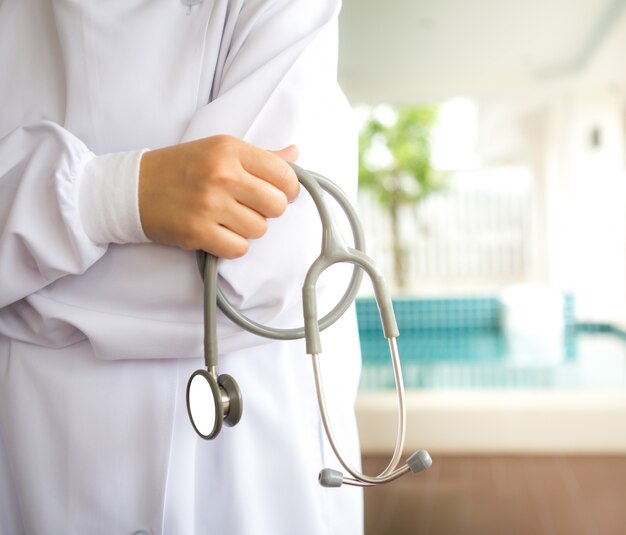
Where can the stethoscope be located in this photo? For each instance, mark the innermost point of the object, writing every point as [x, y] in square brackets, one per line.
[214, 400]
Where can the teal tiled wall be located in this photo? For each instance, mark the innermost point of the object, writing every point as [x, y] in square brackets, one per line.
[463, 313]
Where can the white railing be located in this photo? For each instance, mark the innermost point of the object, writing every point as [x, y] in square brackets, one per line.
[477, 231]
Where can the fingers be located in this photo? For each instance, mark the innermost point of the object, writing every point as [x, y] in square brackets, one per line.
[224, 230]
[272, 168]
[260, 196]
[244, 221]
[229, 238]
[289, 154]
[224, 243]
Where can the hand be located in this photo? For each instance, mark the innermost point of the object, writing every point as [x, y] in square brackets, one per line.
[214, 194]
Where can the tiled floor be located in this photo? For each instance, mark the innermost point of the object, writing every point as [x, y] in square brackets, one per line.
[502, 495]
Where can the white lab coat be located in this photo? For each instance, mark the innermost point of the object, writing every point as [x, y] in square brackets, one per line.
[97, 341]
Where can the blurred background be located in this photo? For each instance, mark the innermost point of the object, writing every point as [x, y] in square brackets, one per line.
[493, 192]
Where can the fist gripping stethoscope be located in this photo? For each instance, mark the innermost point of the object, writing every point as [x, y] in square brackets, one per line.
[214, 400]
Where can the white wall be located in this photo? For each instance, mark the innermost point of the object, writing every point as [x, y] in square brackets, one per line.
[570, 133]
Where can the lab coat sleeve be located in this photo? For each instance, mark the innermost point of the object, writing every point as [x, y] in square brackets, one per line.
[41, 235]
[274, 84]
[278, 86]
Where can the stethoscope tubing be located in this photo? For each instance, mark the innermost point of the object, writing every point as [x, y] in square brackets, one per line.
[334, 250]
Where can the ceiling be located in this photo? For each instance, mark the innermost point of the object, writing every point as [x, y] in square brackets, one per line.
[425, 50]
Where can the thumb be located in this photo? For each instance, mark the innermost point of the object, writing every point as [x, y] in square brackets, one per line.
[289, 154]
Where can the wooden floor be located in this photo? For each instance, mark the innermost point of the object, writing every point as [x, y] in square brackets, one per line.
[501, 495]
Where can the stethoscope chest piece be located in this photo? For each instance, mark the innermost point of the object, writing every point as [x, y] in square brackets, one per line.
[212, 402]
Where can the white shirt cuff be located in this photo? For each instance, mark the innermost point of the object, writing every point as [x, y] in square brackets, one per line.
[108, 198]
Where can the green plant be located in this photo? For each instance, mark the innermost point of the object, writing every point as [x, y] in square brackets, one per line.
[395, 165]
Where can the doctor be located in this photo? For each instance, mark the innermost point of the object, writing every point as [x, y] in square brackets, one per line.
[100, 298]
